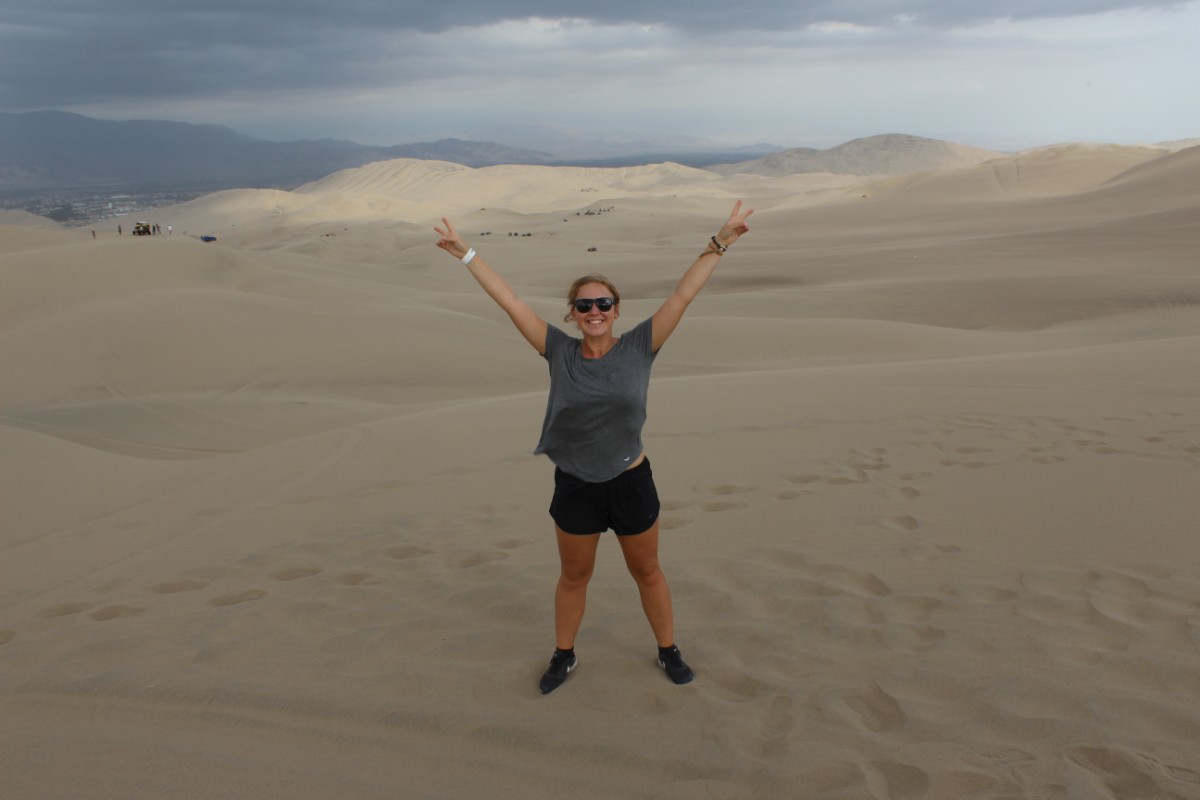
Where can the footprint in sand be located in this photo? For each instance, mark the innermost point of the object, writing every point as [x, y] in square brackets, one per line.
[730, 489]
[482, 557]
[173, 587]
[7, 636]
[258, 560]
[902, 523]
[726, 490]
[877, 710]
[904, 781]
[379, 488]
[912, 609]
[408, 551]
[1005, 759]
[236, 597]
[655, 704]
[981, 594]
[670, 522]
[295, 573]
[1118, 766]
[870, 462]
[66, 609]
[777, 724]
[723, 506]
[736, 688]
[927, 552]
[357, 579]
[513, 544]
[911, 638]
[836, 779]
[838, 579]
[115, 612]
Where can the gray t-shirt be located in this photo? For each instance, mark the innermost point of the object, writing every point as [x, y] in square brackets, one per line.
[597, 406]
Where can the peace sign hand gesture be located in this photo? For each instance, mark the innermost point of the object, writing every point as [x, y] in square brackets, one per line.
[451, 242]
[735, 226]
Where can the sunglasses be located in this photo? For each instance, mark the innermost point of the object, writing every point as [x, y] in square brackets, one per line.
[584, 305]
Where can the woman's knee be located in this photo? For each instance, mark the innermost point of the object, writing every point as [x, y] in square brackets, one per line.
[645, 571]
[576, 557]
[576, 574]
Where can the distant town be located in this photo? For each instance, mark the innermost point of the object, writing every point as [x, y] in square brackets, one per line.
[93, 205]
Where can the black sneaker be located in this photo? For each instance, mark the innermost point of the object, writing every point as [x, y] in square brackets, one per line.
[561, 664]
[677, 669]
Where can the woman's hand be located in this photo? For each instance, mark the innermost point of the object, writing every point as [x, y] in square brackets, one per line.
[735, 226]
[451, 242]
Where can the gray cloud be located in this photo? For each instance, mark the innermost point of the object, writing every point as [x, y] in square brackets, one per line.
[380, 70]
[69, 52]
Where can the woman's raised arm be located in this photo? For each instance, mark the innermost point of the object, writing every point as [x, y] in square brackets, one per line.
[668, 315]
[531, 326]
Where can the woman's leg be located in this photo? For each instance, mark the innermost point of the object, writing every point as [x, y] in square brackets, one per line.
[641, 556]
[577, 555]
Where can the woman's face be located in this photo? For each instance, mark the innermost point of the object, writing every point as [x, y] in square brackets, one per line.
[594, 322]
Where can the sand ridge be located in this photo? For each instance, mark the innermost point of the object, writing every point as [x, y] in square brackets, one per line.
[927, 451]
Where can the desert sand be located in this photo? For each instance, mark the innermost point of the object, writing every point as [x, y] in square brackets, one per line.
[928, 449]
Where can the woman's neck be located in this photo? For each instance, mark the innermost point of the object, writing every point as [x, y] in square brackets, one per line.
[597, 346]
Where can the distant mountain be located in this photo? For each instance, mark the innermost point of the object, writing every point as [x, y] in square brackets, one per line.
[56, 150]
[49, 150]
[588, 147]
[887, 154]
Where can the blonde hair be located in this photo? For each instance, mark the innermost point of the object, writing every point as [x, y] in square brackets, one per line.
[573, 292]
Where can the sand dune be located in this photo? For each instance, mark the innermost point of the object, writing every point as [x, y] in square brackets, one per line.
[419, 190]
[927, 449]
[1058, 170]
[24, 218]
[888, 154]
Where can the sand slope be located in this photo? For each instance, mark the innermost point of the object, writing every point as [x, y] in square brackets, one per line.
[927, 450]
[887, 154]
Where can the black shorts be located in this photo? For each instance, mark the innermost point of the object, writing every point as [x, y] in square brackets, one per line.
[628, 503]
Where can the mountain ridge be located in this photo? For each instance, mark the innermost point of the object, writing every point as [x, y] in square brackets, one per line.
[46, 150]
[58, 150]
[883, 154]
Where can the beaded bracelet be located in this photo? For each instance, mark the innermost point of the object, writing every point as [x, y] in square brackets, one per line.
[717, 247]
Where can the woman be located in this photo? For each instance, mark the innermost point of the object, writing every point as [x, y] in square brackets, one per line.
[593, 434]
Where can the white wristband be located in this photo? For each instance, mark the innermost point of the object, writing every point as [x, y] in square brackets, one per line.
[467, 258]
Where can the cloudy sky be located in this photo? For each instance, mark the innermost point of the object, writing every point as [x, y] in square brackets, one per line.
[792, 72]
